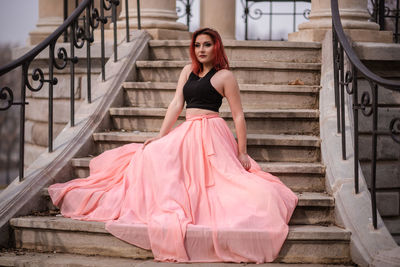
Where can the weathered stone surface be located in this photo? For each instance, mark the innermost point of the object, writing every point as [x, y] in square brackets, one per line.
[262, 147]
[253, 96]
[37, 110]
[385, 116]
[243, 50]
[62, 235]
[61, 90]
[387, 149]
[37, 132]
[267, 121]
[393, 225]
[387, 173]
[245, 72]
[64, 259]
[32, 152]
[388, 203]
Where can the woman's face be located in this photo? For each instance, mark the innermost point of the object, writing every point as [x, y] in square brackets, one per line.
[204, 49]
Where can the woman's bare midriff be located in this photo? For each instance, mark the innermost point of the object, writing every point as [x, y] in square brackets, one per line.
[198, 111]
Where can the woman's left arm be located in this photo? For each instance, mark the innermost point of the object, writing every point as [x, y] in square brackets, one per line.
[232, 94]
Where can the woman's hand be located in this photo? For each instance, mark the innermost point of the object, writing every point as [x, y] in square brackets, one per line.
[244, 160]
[148, 141]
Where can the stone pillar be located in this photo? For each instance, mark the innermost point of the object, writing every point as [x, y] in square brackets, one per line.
[354, 16]
[219, 15]
[158, 18]
[51, 15]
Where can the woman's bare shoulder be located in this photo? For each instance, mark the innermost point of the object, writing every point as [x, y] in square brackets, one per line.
[226, 74]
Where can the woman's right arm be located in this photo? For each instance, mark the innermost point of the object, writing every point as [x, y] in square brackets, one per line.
[175, 107]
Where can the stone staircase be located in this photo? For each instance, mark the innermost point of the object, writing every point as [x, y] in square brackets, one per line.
[283, 137]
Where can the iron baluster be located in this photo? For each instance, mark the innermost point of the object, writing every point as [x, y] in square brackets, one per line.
[342, 102]
[355, 134]
[65, 35]
[22, 122]
[51, 69]
[72, 75]
[103, 21]
[381, 16]
[374, 151]
[294, 15]
[88, 61]
[396, 24]
[270, 20]
[138, 14]
[246, 13]
[114, 20]
[127, 20]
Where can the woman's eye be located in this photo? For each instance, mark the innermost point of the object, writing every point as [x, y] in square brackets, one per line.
[207, 44]
[196, 45]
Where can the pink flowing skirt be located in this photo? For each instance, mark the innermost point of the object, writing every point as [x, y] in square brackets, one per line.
[191, 194]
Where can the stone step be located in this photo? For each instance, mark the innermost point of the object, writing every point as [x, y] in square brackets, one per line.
[312, 208]
[48, 234]
[268, 121]
[242, 50]
[27, 258]
[300, 177]
[261, 147]
[253, 96]
[254, 72]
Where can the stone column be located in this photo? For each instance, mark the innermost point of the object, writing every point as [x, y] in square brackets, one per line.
[51, 15]
[158, 18]
[219, 15]
[354, 16]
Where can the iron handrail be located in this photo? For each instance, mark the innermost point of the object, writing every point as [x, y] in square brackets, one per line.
[46, 42]
[79, 36]
[337, 24]
[368, 105]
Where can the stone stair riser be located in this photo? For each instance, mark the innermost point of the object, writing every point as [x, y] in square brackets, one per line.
[284, 153]
[106, 245]
[250, 100]
[243, 75]
[296, 182]
[309, 126]
[242, 53]
[302, 215]
[258, 153]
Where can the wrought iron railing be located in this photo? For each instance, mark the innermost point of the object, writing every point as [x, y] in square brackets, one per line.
[369, 106]
[382, 10]
[186, 11]
[258, 13]
[80, 26]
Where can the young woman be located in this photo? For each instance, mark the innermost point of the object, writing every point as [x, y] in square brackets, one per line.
[200, 196]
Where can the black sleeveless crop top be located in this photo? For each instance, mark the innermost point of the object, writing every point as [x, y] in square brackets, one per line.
[199, 92]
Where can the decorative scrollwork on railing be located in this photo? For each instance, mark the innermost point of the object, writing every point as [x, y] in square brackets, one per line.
[62, 55]
[186, 11]
[306, 13]
[6, 95]
[347, 80]
[395, 129]
[365, 104]
[79, 34]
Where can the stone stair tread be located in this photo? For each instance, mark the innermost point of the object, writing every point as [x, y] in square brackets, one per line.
[253, 113]
[280, 88]
[19, 258]
[296, 232]
[232, 64]
[297, 167]
[306, 199]
[276, 167]
[241, 43]
[252, 139]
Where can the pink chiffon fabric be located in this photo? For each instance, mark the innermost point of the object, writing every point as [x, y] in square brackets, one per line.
[184, 196]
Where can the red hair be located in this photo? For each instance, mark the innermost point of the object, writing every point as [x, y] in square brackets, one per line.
[220, 58]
